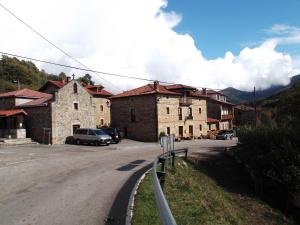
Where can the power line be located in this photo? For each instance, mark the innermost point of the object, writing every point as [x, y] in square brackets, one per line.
[90, 70]
[51, 43]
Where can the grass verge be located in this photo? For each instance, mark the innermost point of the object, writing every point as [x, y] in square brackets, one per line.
[196, 198]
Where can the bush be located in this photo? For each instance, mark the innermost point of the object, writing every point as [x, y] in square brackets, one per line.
[272, 152]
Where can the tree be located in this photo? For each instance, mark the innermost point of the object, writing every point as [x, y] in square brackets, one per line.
[87, 78]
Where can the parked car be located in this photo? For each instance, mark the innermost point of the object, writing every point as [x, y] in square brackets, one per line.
[225, 135]
[114, 133]
[95, 136]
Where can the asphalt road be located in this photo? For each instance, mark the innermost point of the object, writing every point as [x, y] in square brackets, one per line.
[72, 185]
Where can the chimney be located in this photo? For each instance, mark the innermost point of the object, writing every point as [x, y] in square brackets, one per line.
[156, 83]
[68, 79]
[204, 91]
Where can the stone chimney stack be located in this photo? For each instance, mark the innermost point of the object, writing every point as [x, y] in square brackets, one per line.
[68, 79]
[204, 91]
[156, 83]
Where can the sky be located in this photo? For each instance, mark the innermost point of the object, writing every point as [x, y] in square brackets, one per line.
[213, 44]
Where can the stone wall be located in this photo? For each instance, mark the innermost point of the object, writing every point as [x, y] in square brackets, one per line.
[64, 115]
[7, 103]
[102, 113]
[37, 119]
[171, 120]
[145, 126]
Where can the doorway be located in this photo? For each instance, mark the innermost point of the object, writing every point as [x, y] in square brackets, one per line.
[180, 131]
[75, 127]
[191, 131]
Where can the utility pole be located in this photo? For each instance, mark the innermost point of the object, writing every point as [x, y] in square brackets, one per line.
[254, 105]
[17, 82]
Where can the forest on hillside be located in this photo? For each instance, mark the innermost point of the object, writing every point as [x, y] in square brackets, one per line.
[13, 70]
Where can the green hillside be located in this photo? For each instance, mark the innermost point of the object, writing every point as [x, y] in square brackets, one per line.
[13, 69]
[29, 76]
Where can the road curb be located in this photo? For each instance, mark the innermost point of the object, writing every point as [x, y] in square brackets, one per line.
[130, 207]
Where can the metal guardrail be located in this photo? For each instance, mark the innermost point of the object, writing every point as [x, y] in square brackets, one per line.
[165, 213]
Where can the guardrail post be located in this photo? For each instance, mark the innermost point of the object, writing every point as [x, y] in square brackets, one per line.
[173, 159]
[162, 178]
[163, 162]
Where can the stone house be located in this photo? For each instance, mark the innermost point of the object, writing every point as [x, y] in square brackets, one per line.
[100, 99]
[52, 117]
[148, 111]
[220, 113]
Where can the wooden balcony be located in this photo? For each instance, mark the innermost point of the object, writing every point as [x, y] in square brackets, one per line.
[185, 101]
[227, 117]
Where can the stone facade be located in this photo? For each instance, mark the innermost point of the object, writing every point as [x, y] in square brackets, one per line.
[144, 126]
[186, 125]
[155, 114]
[102, 111]
[37, 120]
[65, 115]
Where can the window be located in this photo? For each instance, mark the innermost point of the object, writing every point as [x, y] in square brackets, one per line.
[101, 108]
[168, 110]
[200, 110]
[179, 113]
[75, 127]
[168, 131]
[200, 127]
[190, 111]
[102, 122]
[133, 116]
[76, 105]
[75, 88]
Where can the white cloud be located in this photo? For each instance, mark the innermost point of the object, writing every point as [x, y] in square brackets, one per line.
[136, 38]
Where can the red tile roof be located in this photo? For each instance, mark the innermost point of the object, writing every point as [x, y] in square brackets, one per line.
[214, 92]
[92, 89]
[24, 93]
[212, 120]
[57, 83]
[97, 90]
[179, 86]
[12, 112]
[146, 90]
[198, 94]
[36, 103]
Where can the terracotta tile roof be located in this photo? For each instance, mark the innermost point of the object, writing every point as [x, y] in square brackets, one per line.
[146, 90]
[12, 112]
[179, 86]
[57, 83]
[36, 103]
[212, 120]
[97, 90]
[25, 93]
[198, 94]
[209, 92]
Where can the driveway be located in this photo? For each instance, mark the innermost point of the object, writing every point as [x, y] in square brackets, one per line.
[70, 184]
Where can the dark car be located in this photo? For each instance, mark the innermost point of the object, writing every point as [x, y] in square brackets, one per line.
[114, 133]
[225, 135]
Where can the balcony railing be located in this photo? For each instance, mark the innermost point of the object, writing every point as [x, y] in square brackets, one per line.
[227, 117]
[180, 117]
[189, 117]
[185, 101]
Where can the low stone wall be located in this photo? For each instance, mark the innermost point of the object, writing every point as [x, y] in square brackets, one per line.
[13, 133]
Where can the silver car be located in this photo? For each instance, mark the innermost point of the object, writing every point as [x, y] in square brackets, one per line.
[95, 136]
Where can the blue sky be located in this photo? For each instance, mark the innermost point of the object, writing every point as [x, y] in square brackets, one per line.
[218, 26]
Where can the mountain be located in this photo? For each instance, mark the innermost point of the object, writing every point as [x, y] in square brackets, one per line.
[237, 96]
